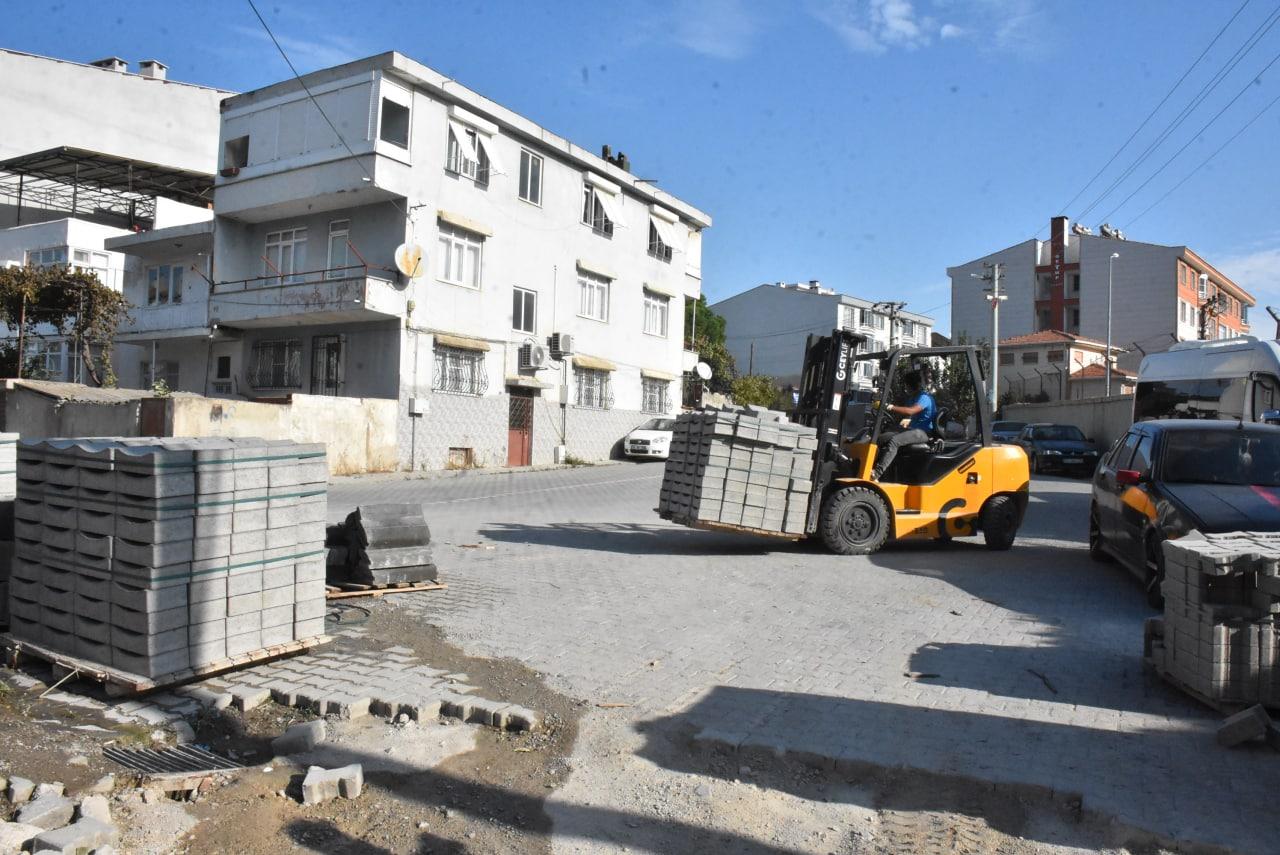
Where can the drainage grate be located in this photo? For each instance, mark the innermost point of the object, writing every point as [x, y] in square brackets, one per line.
[181, 759]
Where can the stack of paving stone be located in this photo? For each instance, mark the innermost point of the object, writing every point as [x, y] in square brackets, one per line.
[381, 545]
[744, 467]
[8, 486]
[1222, 596]
[153, 556]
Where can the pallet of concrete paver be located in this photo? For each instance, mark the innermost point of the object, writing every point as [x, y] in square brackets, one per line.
[380, 546]
[1218, 639]
[744, 470]
[118, 683]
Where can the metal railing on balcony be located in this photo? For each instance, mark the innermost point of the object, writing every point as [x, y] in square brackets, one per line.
[477, 171]
[308, 277]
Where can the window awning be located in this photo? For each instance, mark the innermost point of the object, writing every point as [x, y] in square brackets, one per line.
[666, 231]
[461, 342]
[520, 381]
[656, 375]
[595, 363]
[661, 290]
[596, 269]
[463, 222]
[491, 152]
[612, 205]
[466, 145]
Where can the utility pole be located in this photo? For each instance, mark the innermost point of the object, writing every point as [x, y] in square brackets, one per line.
[994, 297]
[893, 310]
[1110, 265]
[1275, 316]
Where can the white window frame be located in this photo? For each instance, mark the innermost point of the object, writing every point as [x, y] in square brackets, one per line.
[592, 389]
[338, 229]
[528, 310]
[461, 257]
[459, 157]
[168, 370]
[168, 284]
[593, 297]
[295, 242]
[849, 318]
[655, 395]
[48, 256]
[52, 353]
[595, 212]
[657, 313]
[531, 190]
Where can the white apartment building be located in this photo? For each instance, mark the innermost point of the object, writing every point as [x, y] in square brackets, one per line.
[514, 234]
[1054, 366]
[1160, 294]
[91, 152]
[766, 326]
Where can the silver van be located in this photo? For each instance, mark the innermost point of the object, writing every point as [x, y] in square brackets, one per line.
[1234, 378]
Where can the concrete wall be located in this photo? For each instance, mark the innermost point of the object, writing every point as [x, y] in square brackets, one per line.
[359, 433]
[1103, 419]
[970, 311]
[777, 322]
[1144, 298]
[34, 416]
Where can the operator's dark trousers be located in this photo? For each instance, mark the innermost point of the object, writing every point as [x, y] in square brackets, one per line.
[889, 447]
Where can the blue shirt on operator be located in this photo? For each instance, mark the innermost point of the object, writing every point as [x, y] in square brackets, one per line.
[924, 419]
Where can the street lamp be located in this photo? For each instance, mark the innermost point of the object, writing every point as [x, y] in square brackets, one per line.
[1110, 265]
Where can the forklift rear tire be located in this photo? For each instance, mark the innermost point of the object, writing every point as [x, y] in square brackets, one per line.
[999, 521]
[855, 521]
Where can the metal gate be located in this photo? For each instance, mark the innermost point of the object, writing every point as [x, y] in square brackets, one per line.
[326, 364]
[520, 428]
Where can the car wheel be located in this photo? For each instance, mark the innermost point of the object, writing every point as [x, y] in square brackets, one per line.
[855, 521]
[999, 521]
[1154, 577]
[1096, 552]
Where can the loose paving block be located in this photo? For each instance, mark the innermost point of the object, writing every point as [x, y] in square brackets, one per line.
[84, 835]
[48, 811]
[20, 790]
[95, 807]
[1250, 724]
[300, 738]
[322, 785]
[15, 836]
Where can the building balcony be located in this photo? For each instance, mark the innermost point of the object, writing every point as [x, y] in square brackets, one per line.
[337, 295]
[174, 320]
[313, 182]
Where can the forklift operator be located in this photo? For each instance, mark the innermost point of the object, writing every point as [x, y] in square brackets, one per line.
[919, 414]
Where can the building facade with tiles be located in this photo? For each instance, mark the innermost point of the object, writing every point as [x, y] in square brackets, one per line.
[511, 235]
[1160, 294]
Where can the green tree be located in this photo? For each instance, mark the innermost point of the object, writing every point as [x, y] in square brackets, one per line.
[755, 389]
[78, 307]
[706, 338]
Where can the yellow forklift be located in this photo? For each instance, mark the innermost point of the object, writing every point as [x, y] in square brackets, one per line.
[958, 484]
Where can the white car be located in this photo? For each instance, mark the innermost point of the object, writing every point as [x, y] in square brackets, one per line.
[652, 439]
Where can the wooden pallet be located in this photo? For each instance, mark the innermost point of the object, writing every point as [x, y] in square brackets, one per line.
[119, 683]
[352, 590]
[730, 528]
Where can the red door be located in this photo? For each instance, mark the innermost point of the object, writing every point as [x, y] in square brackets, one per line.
[520, 429]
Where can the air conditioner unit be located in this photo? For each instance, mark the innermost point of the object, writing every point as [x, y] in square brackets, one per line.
[561, 344]
[533, 356]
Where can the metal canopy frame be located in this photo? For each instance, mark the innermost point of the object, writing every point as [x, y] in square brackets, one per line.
[78, 180]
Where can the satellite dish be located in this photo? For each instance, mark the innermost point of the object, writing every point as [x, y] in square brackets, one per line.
[703, 370]
[409, 260]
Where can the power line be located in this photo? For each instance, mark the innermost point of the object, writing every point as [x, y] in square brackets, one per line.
[1205, 162]
[1205, 91]
[1195, 136]
[316, 103]
[1156, 109]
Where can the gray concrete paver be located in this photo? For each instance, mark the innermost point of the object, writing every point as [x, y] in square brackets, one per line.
[784, 645]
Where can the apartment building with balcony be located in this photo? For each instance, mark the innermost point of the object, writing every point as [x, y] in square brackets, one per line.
[766, 326]
[1160, 294]
[92, 152]
[508, 233]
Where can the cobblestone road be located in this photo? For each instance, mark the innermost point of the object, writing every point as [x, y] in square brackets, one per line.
[1036, 652]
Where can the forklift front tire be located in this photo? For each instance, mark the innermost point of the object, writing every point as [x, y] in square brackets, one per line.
[999, 521]
[854, 521]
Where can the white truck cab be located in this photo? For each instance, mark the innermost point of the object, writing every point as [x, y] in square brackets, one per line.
[1234, 378]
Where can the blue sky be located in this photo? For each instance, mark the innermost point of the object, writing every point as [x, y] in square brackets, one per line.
[866, 143]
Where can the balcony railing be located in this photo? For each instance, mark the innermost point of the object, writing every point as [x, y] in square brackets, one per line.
[459, 165]
[309, 277]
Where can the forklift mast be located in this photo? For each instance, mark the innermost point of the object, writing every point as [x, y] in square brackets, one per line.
[826, 381]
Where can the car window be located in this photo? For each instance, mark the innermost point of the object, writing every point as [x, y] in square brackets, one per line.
[1120, 459]
[1141, 460]
[1240, 457]
[1060, 433]
[1266, 395]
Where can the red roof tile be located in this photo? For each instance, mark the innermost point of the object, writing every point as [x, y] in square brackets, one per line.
[1048, 337]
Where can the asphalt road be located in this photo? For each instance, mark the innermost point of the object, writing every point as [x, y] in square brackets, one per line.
[1032, 656]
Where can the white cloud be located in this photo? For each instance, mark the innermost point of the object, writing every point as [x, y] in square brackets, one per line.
[1257, 271]
[877, 26]
[309, 54]
[722, 29]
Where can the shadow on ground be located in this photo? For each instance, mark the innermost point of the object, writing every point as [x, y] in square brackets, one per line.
[637, 539]
[918, 758]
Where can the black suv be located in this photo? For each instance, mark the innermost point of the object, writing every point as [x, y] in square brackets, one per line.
[1164, 479]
